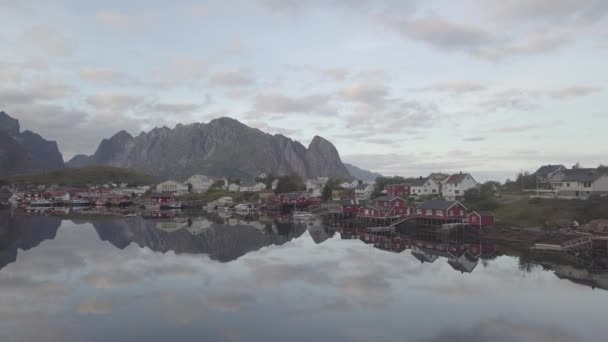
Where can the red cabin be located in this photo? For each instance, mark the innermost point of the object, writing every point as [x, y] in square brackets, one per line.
[481, 219]
[442, 210]
[394, 190]
[350, 207]
[386, 207]
[159, 197]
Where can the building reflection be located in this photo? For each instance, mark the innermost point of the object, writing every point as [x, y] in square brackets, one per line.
[227, 239]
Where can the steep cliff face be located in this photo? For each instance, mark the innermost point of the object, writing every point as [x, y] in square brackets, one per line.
[25, 152]
[223, 147]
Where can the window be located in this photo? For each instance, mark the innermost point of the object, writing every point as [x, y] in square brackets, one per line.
[419, 211]
[439, 212]
[456, 191]
[451, 213]
[429, 212]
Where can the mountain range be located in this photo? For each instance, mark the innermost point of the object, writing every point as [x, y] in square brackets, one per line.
[25, 152]
[221, 147]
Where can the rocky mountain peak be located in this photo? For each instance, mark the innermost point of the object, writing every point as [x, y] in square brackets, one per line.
[9, 125]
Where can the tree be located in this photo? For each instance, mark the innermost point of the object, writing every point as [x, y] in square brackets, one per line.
[330, 186]
[218, 184]
[290, 183]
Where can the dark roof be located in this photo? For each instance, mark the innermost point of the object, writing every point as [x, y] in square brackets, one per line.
[419, 181]
[362, 186]
[581, 175]
[437, 204]
[547, 169]
[457, 178]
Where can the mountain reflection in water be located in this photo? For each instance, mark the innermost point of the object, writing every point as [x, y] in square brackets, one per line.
[202, 277]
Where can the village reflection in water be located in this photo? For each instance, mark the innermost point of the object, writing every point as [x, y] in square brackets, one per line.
[227, 237]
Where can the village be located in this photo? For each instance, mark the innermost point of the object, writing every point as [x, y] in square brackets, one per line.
[437, 200]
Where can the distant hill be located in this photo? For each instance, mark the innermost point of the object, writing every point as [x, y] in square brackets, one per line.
[84, 176]
[25, 152]
[361, 174]
[222, 147]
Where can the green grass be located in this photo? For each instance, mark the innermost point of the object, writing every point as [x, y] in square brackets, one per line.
[551, 213]
[84, 176]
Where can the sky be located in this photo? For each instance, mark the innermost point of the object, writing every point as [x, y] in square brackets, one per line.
[399, 86]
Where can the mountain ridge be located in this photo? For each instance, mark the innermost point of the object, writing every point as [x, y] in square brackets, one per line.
[221, 147]
[27, 151]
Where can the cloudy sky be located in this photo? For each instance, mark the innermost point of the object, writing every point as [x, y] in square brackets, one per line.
[400, 86]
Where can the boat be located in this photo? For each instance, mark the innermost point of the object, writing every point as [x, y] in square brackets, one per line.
[41, 203]
[171, 205]
[77, 202]
[101, 203]
[302, 215]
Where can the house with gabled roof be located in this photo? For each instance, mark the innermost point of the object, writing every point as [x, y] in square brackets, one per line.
[425, 186]
[441, 210]
[546, 172]
[456, 185]
[579, 183]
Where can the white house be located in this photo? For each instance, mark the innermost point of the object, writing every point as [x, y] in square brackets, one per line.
[257, 187]
[200, 183]
[364, 191]
[315, 186]
[275, 184]
[234, 187]
[225, 201]
[579, 183]
[424, 186]
[456, 185]
[172, 187]
[349, 185]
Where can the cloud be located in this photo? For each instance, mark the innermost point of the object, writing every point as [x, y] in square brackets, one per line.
[114, 101]
[455, 87]
[272, 102]
[230, 302]
[34, 92]
[114, 279]
[231, 78]
[184, 69]
[94, 307]
[51, 40]
[569, 93]
[173, 108]
[122, 20]
[442, 33]
[474, 139]
[533, 44]
[373, 94]
[105, 76]
[518, 128]
[548, 11]
[297, 7]
[501, 329]
[511, 99]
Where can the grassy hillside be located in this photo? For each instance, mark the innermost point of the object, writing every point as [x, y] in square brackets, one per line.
[84, 176]
[551, 213]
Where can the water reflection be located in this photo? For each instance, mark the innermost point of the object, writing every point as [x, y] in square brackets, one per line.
[198, 277]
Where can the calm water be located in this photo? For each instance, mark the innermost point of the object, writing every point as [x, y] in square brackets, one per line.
[150, 280]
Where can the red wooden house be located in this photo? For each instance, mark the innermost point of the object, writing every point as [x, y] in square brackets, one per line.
[481, 219]
[395, 190]
[442, 211]
[350, 207]
[161, 197]
[385, 207]
[294, 199]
